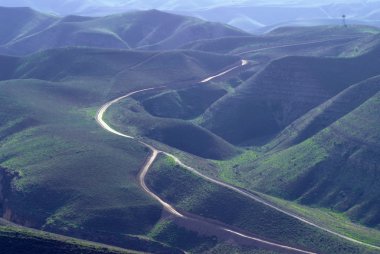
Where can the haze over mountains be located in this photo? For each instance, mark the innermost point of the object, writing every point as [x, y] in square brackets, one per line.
[254, 16]
[33, 31]
[272, 137]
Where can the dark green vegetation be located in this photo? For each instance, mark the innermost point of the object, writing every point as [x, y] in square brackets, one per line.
[282, 105]
[307, 115]
[337, 167]
[145, 29]
[177, 133]
[20, 241]
[290, 116]
[193, 194]
[287, 89]
[184, 104]
[327, 156]
[173, 235]
[62, 172]
[73, 177]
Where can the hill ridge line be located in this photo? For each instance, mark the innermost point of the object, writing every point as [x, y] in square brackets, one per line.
[172, 210]
[155, 152]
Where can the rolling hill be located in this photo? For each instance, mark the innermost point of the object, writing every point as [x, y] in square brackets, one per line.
[285, 90]
[334, 156]
[332, 41]
[143, 29]
[48, 134]
[21, 22]
[249, 15]
[296, 125]
[190, 193]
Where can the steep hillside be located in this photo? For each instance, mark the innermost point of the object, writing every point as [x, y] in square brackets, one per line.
[188, 192]
[187, 103]
[147, 29]
[16, 23]
[336, 168]
[52, 153]
[284, 91]
[321, 117]
[59, 171]
[131, 117]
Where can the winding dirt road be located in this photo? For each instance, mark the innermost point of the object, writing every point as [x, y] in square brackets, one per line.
[155, 152]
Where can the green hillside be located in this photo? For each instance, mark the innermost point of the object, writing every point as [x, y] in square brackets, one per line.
[133, 119]
[336, 168]
[285, 90]
[122, 69]
[59, 170]
[187, 103]
[70, 175]
[297, 125]
[190, 193]
[324, 115]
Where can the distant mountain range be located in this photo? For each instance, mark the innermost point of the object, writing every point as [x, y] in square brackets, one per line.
[32, 31]
[248, 15]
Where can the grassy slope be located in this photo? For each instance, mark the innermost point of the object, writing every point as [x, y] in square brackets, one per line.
[124, 76]
[337, 168]
[331, 219]
[324, 115]
[193, 242]
[54, 146]
[123, 69]
[187, 103]
[74, 177]
[285, 90]
[191, 193]
[131, 117]
[21, 22]
[308, 125]
[325, 170]
[174, 235]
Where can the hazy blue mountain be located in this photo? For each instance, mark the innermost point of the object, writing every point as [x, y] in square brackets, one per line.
[33, 31]
[245, 14]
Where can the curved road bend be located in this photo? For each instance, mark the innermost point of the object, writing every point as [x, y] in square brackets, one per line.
[172, 210]
[155, 152]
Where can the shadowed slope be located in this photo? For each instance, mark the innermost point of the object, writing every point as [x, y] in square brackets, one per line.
[284, 91]
[336, 168]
